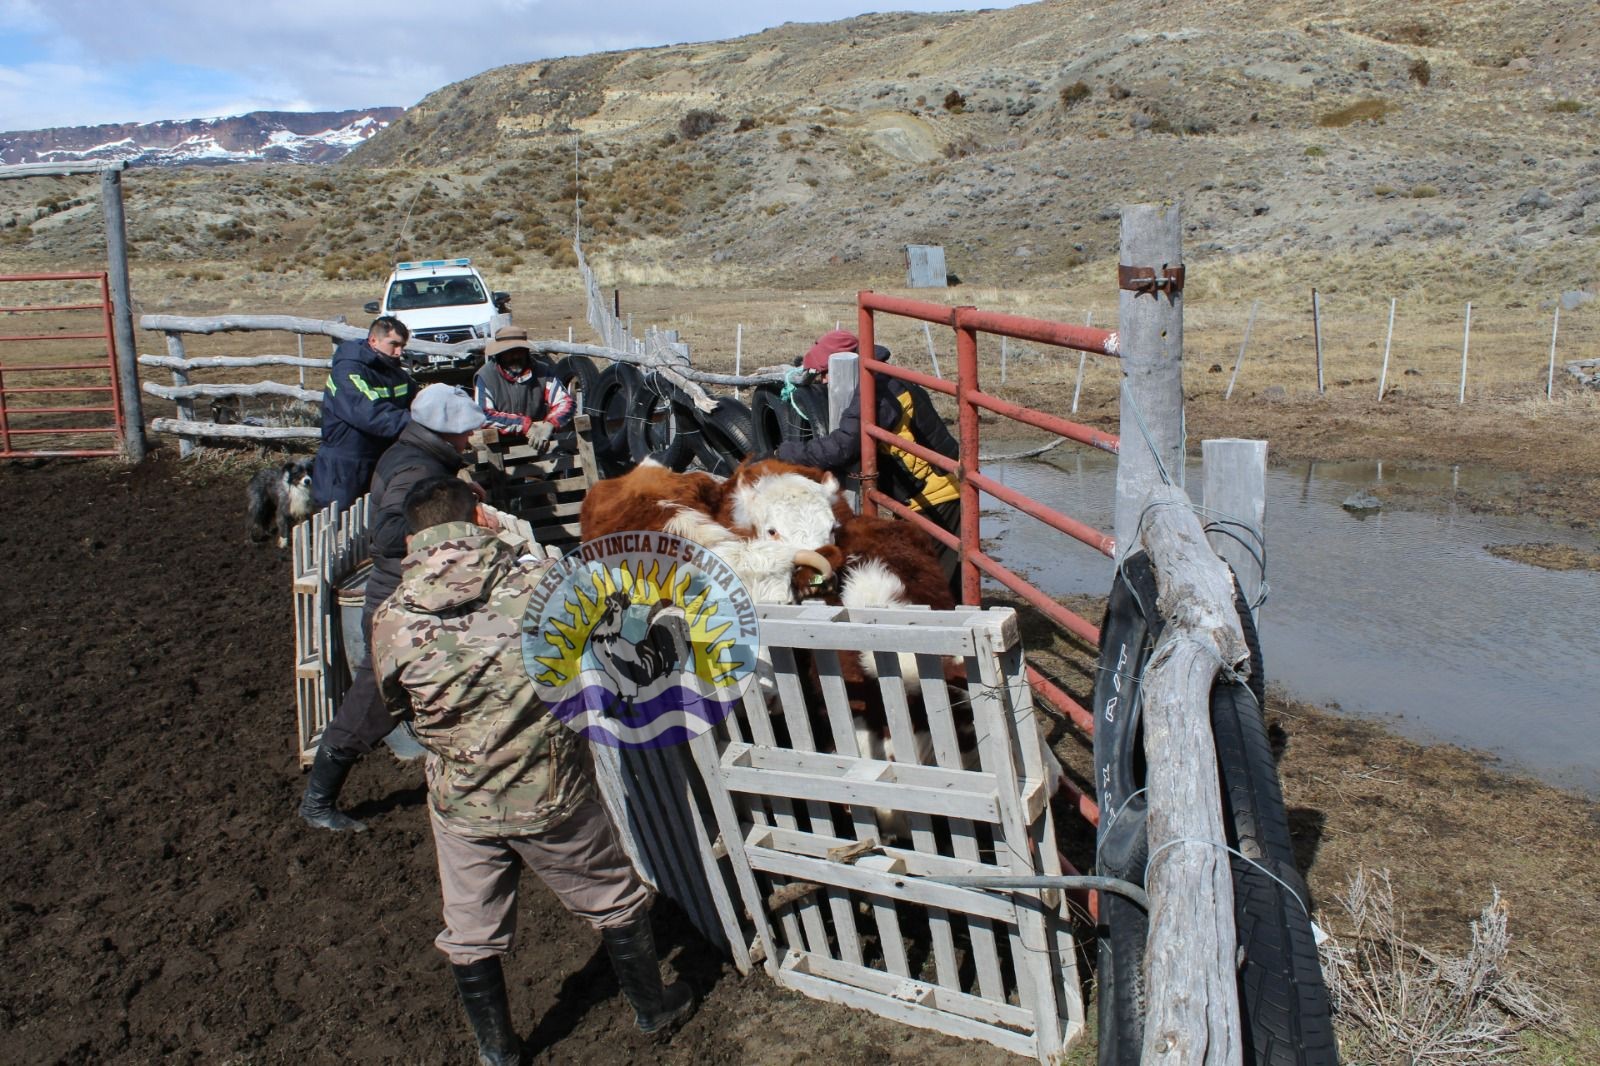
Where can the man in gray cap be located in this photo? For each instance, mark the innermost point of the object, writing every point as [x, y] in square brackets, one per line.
[433, 444]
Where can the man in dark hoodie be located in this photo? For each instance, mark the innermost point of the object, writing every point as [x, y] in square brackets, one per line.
[432, 444]
[364, 407]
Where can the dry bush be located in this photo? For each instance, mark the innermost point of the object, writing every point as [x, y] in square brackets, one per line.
[1361, 111]
[1401, 1005]
[1421, 73]
[954, 102]
[1071, 94]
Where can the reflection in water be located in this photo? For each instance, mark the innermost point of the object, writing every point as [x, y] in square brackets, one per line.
[1404, 614]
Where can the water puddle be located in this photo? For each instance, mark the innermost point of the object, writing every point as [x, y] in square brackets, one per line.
[1402, 614]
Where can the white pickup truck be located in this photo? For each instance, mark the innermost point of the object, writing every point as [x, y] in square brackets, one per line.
[443, 300]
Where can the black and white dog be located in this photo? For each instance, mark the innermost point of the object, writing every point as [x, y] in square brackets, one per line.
[280, 494]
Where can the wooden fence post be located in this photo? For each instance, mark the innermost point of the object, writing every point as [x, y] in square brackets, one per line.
[1150, 325]
[1234, 474]
[1466, 339]
[180, 377]
[1316, 325]
[1383, 375]
[133, 440]
[844, 380]
[1237, 363]
[1550, 378]
[1077, 387]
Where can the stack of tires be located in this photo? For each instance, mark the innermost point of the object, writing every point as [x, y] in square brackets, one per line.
[635, 415]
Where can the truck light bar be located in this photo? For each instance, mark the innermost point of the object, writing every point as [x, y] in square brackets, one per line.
[434, 263]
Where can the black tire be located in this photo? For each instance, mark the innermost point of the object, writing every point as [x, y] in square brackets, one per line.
[721, 437]
[806, 413]
[650, 428]
[1283, 1001]
[579, 376]
[766, 420]
[608, 408]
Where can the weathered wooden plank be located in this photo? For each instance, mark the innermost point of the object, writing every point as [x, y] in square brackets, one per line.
[214, 429]
[260, 388]
[1030, 942]
[819, 845]
[907, 748]
[1192, 1015]
[862, 876]
[904, 1010]
[704, 750]
[934, 639]
[798, 721]
[220, 362]
[783, 815]
[945, 999]
[872, 782]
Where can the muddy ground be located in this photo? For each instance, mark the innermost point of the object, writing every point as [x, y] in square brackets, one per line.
[163, 903]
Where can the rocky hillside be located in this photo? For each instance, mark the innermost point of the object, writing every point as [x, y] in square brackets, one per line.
[260, 136]
[1466, 134]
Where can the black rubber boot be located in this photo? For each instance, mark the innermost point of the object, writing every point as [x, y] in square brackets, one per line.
[317, 807]
[657, 1009]
[482, 985]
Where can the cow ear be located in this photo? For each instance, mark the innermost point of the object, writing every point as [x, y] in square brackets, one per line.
[830, 483]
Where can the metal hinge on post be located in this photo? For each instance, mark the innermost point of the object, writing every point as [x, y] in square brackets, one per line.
[1148, 280]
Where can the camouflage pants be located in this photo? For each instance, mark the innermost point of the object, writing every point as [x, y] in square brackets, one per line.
[580, 860]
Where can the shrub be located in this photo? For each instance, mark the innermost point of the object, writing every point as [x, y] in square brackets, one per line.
[697, 123]
[954, 102]
[1566, 107]
[1423, 192]
[1072, 94]
[1360, 111]
[1420, 71]
[1315, 151]
[1117, 92]
[1383, 190]
[745, 125]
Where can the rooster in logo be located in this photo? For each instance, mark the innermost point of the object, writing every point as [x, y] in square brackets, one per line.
[635, 665]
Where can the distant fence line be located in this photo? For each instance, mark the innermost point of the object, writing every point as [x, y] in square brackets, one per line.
[659, 358]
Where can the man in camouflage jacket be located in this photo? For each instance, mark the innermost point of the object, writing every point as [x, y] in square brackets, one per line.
[508, 783]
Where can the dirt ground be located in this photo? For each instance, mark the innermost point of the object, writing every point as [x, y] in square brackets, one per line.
[164, 903]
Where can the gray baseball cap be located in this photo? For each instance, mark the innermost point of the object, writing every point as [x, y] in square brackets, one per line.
[446, 409]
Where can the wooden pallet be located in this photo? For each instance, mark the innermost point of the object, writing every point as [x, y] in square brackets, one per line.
[543, 487]
[326, 549]
[798, 807]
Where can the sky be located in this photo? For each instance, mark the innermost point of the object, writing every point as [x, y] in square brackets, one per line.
[88, 62]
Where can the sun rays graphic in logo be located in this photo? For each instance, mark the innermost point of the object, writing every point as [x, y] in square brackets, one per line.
[640, 639]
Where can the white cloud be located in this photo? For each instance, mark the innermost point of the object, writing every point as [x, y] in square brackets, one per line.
[195, 56]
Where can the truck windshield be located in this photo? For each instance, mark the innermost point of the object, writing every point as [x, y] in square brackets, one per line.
[413, 293]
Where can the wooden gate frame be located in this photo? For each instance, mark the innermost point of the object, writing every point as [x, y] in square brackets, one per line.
[777, 807]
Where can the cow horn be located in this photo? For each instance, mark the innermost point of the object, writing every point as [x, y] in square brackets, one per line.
[815, 560]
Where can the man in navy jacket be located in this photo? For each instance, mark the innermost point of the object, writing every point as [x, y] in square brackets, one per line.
[365, 405]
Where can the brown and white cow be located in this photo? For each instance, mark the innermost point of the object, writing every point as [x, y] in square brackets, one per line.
[776, 519]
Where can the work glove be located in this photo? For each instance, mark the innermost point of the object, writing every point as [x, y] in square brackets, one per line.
[539, 433]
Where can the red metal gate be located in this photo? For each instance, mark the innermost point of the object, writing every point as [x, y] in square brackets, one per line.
[968, 322]
[41, 417]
